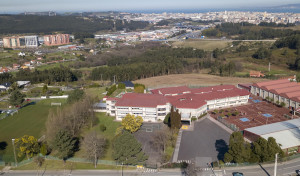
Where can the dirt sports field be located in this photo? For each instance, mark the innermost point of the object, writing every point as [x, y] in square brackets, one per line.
[193, 80]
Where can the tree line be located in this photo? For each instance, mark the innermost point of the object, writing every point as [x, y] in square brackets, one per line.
[247, 31]
[18, 24]
[57, 74]
[261, 150]
[151, 63]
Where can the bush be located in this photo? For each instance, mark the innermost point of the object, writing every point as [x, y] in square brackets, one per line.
[121, 86]
[193, 119]
[202, 115]
[102, 127]
[282, 104]
[111, 90]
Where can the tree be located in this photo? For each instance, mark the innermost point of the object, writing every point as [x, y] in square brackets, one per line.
[16, 98]
[262, 53]
[160, 139]
[175, 119]
[75, 95]
[127, 150]
[27, 145]
[93, 144]
[216, 53]
[132, 123]
[45, 89]
[44, 149]
[64, 144]
[298, 77]
[239, 150]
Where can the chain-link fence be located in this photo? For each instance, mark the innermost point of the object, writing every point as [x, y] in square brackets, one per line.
[233, 127]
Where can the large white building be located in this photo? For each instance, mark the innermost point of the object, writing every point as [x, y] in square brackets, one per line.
[189, 102]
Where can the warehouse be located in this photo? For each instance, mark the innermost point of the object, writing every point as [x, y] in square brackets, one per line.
[286, 133]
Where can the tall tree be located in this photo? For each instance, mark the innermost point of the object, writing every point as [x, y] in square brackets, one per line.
[16, 98]
[175, 119]
[93, 144]
[128, 150]
[132, 123]
[64, 144]
[239, 150]
[161, 138]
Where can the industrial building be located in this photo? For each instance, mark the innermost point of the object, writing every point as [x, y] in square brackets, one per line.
[285, 91]
[286, 133]
[189, 102]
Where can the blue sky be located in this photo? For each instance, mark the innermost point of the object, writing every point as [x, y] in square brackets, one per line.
[8, 6]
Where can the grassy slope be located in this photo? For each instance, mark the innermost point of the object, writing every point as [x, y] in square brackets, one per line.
[202, 44]
[109, 134]
[29, 120]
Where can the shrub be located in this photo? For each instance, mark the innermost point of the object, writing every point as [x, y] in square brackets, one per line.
[121, 86]
[229, 114]
[102, 127]
[166, 120]
[202, 115]
[111, 90]
[282, 104]
[193, 119]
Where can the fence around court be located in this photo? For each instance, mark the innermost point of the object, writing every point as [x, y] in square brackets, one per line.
[233, 127]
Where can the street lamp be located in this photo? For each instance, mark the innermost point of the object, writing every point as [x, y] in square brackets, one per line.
[13, 143]
[275, 167]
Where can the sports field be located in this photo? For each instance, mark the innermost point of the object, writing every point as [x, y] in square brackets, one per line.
[193, 80]
[30, 120]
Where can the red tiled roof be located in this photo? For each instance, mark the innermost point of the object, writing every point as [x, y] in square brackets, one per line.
[286, 89]
[290, 94]
[278, 86]
[112, 99]
[213, 88]
[280, 81]
[141, 100]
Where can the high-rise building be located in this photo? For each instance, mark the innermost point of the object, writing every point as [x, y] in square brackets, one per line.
[20, 41]
[58, 39]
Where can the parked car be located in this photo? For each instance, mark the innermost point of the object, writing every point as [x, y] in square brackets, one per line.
[297, 171]
[237, 174]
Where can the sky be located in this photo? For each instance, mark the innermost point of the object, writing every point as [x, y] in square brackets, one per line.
[15, 6]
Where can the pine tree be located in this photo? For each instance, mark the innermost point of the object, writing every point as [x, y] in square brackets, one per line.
[128, 150]
[65, 144]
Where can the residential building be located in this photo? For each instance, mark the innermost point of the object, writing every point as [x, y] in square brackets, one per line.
[256, 74]
[58, 39]
[20, 42]
[189, 102]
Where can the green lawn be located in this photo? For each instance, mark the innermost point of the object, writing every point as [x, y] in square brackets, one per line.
[109, 134]
[202, 44]
[95, 92]
[60, 165]
[29, 120]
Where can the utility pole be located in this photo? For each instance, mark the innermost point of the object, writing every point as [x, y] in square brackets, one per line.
[269, 66]
[114, 79]
[13, 143]
[275, 167]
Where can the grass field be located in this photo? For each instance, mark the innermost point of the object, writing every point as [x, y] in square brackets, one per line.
[202, 44]
[60, 165]
[95, 92]
[109, 134]
[193, 80]
[29, 120]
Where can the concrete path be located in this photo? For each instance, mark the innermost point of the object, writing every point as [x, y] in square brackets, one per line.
[176, 151]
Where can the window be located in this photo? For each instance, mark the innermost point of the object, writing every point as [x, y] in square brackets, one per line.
[161, 109]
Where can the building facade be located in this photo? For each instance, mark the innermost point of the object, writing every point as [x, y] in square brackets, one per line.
[58, 39]
[20, 42]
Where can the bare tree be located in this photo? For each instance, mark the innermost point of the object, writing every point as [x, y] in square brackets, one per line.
[94, 145]
[161, 138]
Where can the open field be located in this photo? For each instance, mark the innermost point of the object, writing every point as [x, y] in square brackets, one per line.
[30, 120]
[202, 44]
[193, 80]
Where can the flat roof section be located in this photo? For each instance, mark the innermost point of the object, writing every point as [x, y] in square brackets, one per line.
[275, 127]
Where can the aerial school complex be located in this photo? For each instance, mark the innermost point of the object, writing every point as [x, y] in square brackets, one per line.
[265, 109]
[188, 101]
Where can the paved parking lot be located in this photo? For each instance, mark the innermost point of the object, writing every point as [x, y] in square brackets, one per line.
[206, 142]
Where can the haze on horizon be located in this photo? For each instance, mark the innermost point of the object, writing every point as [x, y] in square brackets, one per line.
[17, 6]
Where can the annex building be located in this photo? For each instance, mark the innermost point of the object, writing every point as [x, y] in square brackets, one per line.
[190, 102]
[282, 90]
[286, 133]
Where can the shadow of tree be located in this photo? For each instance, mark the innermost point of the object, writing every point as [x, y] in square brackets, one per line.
[3, 145]
[221, 147]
